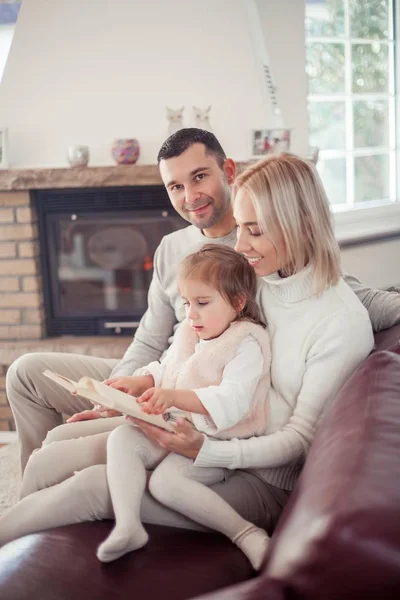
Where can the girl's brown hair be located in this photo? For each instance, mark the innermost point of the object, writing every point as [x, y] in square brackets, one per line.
[230, 274]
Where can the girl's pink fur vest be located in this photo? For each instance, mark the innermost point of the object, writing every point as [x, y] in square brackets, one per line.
[188, 370]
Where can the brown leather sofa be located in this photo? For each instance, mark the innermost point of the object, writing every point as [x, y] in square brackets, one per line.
[338, 538]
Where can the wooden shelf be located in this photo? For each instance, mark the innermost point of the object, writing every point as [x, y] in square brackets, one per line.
[78, 177]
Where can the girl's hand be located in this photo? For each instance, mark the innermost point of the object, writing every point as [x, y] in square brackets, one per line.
[134, 386]
[186, 440]
[157, 400]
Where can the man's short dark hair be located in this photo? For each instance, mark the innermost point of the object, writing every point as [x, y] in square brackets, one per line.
[183, 139]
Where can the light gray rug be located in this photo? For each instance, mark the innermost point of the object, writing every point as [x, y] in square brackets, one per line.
[10, 475]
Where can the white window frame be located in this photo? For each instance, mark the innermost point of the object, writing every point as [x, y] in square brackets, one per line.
[373, 219]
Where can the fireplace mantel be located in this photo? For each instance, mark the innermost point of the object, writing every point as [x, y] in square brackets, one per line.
[82, 177]
[78, 177]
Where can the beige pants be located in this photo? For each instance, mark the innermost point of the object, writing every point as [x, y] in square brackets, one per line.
[175, 482]
[38, 403]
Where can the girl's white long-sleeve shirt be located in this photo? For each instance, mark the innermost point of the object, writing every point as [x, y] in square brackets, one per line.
[228, 402]
[317, 342]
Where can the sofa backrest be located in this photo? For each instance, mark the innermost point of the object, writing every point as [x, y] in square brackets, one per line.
[339, 536]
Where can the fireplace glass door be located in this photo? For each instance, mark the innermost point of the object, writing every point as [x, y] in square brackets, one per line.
[101, 265]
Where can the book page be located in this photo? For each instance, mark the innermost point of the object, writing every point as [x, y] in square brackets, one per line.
[99, 393]
[125, 403]
[66, 383]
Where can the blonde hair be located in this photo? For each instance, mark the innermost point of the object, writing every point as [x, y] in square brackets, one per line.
[229, 273]
[292, 209]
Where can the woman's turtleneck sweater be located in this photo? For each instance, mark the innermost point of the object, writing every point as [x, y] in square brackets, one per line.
[317, 342]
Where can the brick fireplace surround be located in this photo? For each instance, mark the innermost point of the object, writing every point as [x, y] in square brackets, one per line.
[21, 300]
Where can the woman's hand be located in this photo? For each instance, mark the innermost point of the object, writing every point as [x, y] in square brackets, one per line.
[156, 400]
[186, 440]
[134, 386]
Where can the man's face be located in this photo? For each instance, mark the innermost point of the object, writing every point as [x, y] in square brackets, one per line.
[199, 189]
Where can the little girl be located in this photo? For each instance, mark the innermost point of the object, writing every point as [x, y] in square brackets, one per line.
[217, 374]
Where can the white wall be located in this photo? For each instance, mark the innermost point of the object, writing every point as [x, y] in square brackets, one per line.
[375, 264]
[88, 72]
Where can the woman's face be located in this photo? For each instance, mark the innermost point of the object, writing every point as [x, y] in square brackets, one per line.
[251, 242]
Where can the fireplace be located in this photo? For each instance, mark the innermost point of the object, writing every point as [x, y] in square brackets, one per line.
[96, 250]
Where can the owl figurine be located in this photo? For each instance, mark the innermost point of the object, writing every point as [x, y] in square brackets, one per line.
[202, 117]
[175, 119]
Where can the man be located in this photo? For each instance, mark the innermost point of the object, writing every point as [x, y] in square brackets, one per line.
[197, 175]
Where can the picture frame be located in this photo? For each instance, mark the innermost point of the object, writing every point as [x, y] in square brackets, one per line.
[3, 148]
[270, 141]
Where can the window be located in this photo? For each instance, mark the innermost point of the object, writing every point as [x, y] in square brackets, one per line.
[8, 18]
[351, 99]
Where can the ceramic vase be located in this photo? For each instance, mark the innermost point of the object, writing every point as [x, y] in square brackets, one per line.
[78, 156]
[125, 151]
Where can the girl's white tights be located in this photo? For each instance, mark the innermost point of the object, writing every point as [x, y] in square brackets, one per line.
[176, 483]
[129, 454]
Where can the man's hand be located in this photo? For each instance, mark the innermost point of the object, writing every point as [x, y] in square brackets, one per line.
[186, 441]
[97, 412]
[156, 400]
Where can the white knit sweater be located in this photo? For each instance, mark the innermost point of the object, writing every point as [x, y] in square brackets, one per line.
[316, 342]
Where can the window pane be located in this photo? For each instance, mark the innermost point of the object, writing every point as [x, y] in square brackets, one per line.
[325, 68]
[371, 123]
[370, 67]
[333, 175]
[369, 19]
[324, 18]
[371, 178]
[9, 12]
[8, 18]
[327, 125]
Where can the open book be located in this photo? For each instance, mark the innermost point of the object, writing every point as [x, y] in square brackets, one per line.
[99, 393]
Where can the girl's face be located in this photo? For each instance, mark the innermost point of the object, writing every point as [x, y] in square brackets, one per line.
[251, 242]
[206, 310]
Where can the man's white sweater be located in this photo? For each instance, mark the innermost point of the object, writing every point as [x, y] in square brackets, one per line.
[317, 342]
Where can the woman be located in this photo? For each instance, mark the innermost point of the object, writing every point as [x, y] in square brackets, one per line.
[319, 332]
